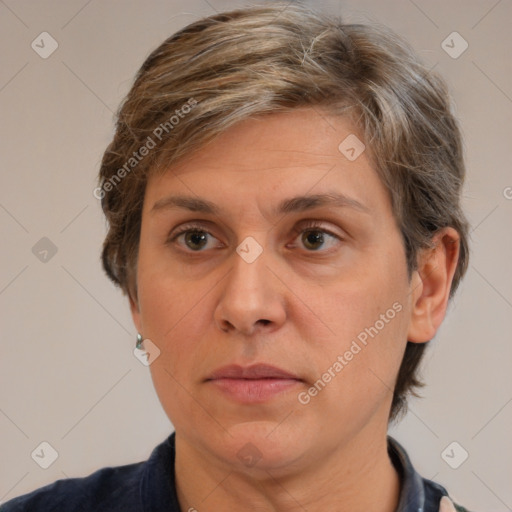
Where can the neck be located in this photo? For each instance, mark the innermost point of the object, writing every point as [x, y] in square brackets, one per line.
[356, 477]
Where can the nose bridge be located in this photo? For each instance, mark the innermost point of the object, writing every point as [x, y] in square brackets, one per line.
[249, 270]
[251, 295]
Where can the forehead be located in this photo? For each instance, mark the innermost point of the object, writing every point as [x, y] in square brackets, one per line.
[298, 153]
[302, 137]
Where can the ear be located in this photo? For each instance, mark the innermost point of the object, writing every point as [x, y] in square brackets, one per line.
[431, 284]
[135, 310]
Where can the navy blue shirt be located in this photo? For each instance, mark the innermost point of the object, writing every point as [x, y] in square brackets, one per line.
[149, 487]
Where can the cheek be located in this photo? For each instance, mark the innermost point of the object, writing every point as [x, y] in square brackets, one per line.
[367, 316]
[359, 302]
[172, 317]
[176, 323]
[173, 320]
[355, 380]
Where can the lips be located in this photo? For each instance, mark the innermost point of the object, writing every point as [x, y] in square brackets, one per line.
[252, 384]
[258, 371]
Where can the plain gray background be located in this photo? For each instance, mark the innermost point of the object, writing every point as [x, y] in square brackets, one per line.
[68, 376]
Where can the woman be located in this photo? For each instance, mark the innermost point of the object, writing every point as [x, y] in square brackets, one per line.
[283, 199]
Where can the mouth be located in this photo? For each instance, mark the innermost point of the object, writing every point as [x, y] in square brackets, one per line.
[252, 384]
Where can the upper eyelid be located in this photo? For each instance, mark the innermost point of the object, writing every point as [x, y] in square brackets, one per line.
[300, 227]
[202, 226]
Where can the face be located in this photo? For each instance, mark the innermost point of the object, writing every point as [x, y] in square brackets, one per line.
[272, 278]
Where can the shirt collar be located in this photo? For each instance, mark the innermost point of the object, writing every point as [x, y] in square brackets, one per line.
[417, 494]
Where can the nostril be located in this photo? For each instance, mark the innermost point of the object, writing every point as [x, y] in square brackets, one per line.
[226, 326]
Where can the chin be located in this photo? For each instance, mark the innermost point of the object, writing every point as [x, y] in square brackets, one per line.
[262, 446]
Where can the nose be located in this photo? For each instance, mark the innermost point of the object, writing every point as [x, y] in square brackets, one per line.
[252, 298]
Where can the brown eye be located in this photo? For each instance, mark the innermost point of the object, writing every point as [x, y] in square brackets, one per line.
[195, 239]
[313, 239]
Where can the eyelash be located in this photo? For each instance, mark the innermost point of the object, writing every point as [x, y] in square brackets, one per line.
[306, 226]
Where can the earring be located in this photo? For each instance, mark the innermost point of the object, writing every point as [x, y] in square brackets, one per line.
[139, 341]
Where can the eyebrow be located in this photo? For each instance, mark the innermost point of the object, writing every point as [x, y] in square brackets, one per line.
[291, 205]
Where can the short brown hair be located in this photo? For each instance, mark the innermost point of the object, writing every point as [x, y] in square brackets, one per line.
[274, 58]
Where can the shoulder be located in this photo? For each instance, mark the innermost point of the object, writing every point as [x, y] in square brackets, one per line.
[127, 488]
[108, 489]
[418, 493]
